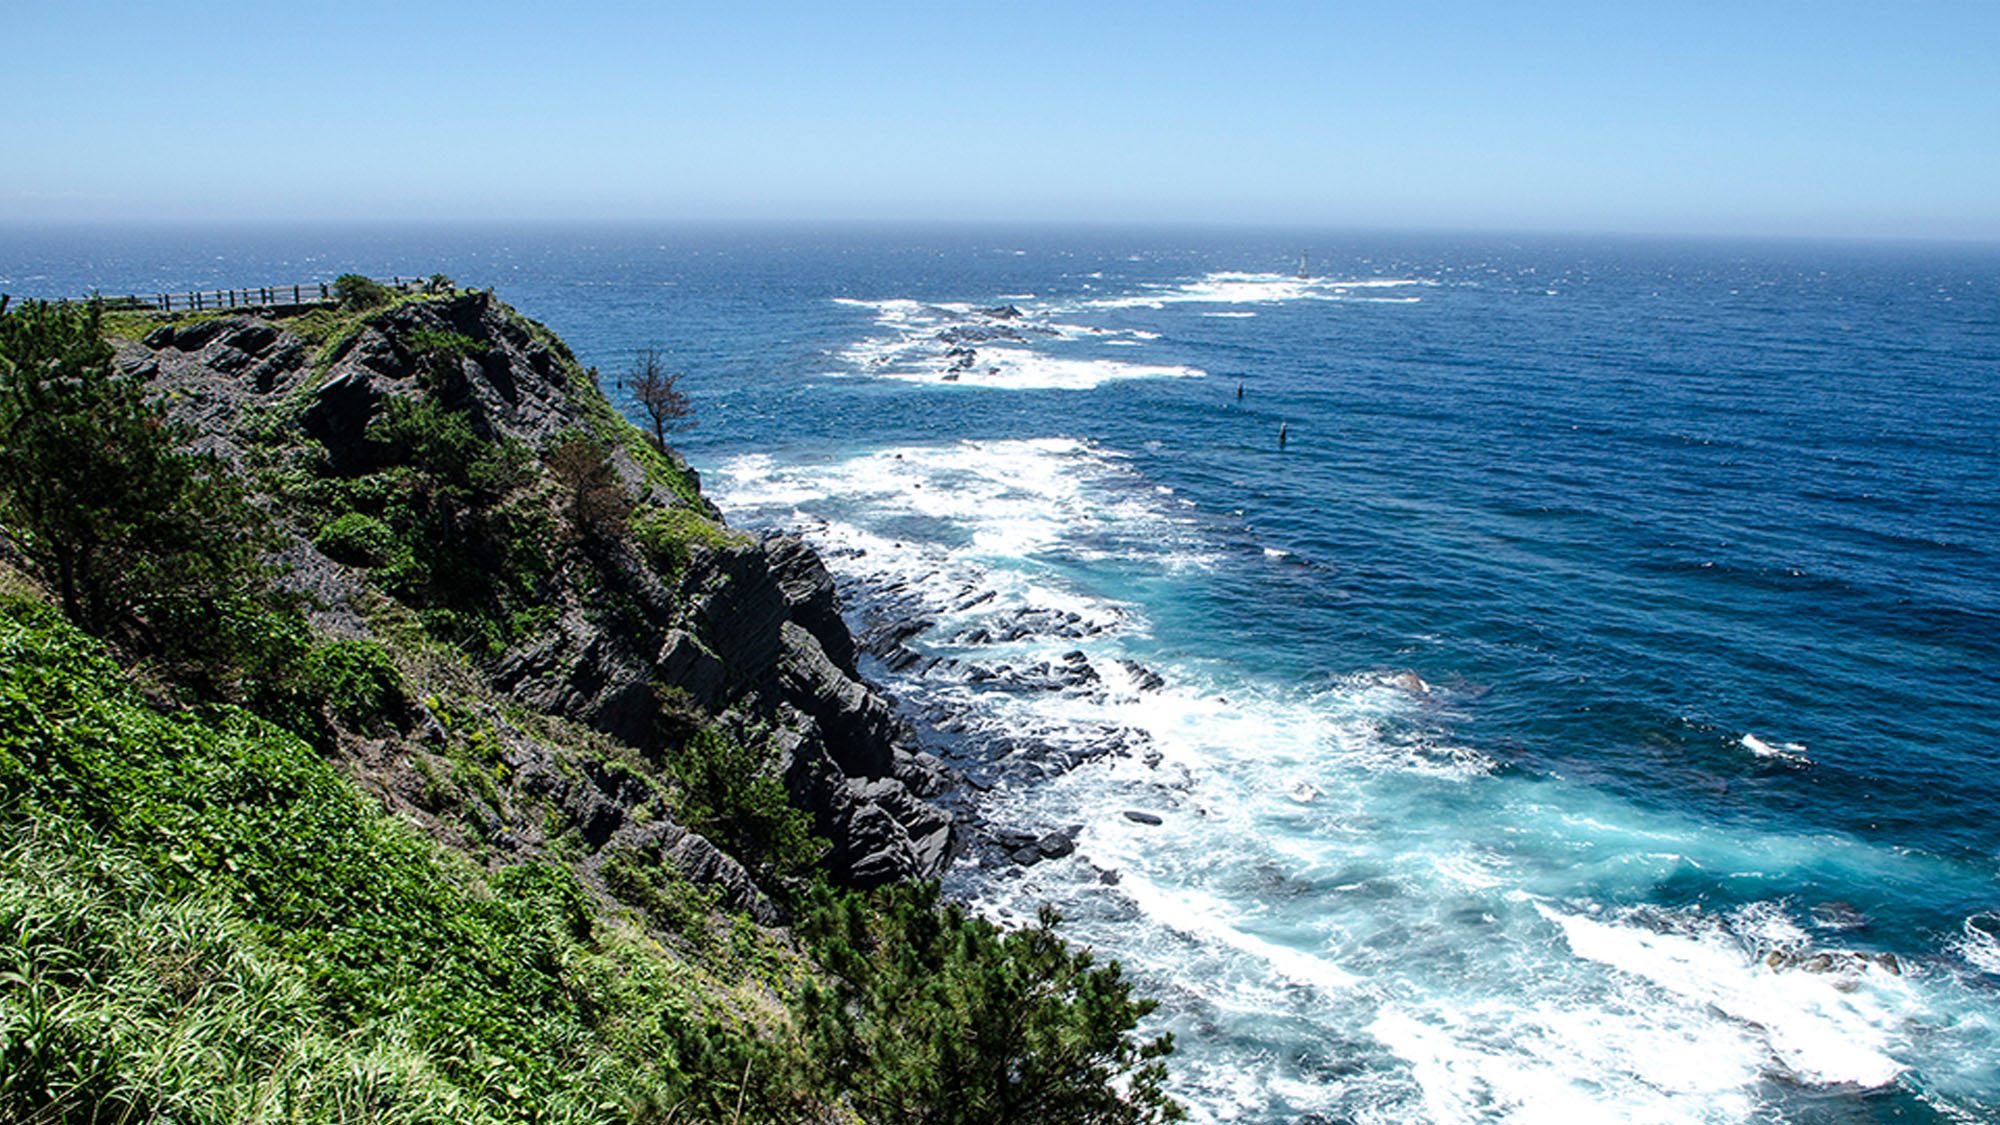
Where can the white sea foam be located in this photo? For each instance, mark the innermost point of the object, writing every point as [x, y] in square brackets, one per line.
[1978, 943]
[1199, 917]
[1018, 348]
[1017, 368]
[1783, 751]
[1563, 1065]
[1819, 1027]
[1231, 288]
[1331, 867]
[959, 343]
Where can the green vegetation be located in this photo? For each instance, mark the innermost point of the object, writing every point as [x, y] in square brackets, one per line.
[733, 797]
[455, 345]
[200, 920]
[204, 872]
[358, 540]
[655, 886]
[669, 534]
[937, 1018]
[208, 914]
[593, 500]
[142, 542]
[334, 328]
[445, 524]
[354, 291]
[128, 1002]
[103, 502]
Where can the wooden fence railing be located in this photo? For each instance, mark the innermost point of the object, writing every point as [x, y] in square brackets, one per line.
[213, 300]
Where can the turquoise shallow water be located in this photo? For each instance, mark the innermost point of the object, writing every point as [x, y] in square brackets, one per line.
[1611, 646]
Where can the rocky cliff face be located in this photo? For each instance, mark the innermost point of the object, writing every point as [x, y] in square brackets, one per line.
[640, 626]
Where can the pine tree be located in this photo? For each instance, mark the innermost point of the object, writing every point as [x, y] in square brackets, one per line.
[97, 491]
[934, 1017]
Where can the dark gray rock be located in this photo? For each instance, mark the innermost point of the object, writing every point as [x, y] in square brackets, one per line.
[252, 339]
[860, 730]
[1059, 843]
[978, 333]
[870, 848]
[194, 337]
[1012, 839]
[734, 603]
[1138, 817]
[1143, 678]
[684, 663]
[810, 595]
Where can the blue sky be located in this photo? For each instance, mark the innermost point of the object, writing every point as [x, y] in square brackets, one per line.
[1879, 119]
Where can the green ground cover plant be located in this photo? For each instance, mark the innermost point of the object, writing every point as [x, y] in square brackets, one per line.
[500, 989]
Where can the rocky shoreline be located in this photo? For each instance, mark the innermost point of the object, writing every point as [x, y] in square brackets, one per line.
[754, 631]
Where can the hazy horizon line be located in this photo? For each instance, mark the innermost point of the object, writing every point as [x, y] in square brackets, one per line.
[1011, 225]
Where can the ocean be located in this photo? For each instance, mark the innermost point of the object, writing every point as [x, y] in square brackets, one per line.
[1482, 679]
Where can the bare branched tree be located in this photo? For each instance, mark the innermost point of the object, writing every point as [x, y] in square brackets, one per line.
[593, 499]
[656, 388]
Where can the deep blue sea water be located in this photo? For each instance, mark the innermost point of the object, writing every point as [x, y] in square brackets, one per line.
[1611, 645]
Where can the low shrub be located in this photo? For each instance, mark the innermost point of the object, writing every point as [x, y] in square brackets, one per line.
[455, 345]
[357, 539]
[357, 292]
[669, 536]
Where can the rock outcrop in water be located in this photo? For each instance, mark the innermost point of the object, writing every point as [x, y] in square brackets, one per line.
[656, 622]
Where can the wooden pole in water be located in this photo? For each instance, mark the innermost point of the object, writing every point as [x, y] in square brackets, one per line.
[1281, 435]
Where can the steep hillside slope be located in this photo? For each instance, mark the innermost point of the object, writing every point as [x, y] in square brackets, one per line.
[432, 463]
